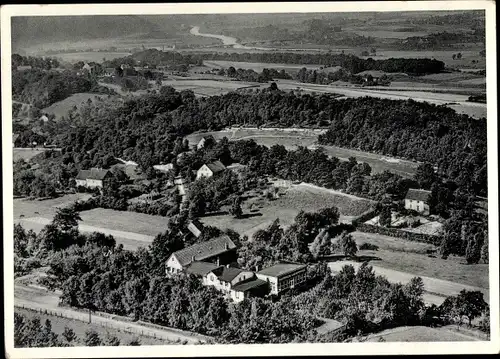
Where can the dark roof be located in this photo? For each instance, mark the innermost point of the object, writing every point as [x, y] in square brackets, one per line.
[204, 250]
[200, 268]
[226, 274]
[251, 284]
[281, 269]
[93, 173]
[418, 194]
[216, 166]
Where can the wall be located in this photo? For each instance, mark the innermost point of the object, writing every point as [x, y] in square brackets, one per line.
[173, 263]
[419, 206]
[273, 282]
[204, 171]
[291, 280]
[94, 183]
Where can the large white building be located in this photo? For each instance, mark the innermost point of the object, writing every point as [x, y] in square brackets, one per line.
[418, 200]
[283, 276]
[210, 169]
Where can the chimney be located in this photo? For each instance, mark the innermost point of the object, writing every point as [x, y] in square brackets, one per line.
[226, 246]
[192, 258]
[218, 262]
[256, 268]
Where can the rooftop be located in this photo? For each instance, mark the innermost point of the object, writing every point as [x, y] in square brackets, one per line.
[93, 173]
[216, 166]
[204, 250]
[226, 274]
[281, 269]
[200, 268]
[249, 285]
[418, 194]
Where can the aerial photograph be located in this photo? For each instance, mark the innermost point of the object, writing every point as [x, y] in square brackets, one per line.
[250, 178]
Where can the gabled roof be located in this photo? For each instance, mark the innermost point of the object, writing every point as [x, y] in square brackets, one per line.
[226, 274]
[418, 194]
[281, 269]
[204, 250]
[216, 166]
[249, 285]
[200, 268]
[93, 173]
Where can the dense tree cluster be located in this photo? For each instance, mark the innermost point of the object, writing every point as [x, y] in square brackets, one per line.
[43, 88]
[30, 333]
[363, 300]
[46, 63]
[252, 76]
[350, 63]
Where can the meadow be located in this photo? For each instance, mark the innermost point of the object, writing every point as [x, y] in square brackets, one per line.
[419, 334]
[62, 108]
[26, 153]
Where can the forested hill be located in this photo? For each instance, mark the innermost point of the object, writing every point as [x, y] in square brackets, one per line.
[40, 29]
[144, 128]
[351, 63]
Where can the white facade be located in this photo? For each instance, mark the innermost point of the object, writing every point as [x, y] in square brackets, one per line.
[279, 284]
[173, 266]
[419, 206]
[204, 171]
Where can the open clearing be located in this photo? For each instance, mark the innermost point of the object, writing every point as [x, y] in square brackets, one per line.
[299, 197]
[26, 153]
[80, 327]
[258, 66]
[420, 334]
[62, 108]
[207, 87]
[45, 208]
[392, 243]
[435, 287]
[292, 139]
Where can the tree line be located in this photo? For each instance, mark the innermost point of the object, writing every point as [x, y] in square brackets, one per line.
[351, 63]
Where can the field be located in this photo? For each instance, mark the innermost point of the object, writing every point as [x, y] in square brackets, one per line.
[26, 153]
[420, 334]
[61, 108]
[259, 66]
[207, 87]
[79, 327]
[45, 208]
[286, 208]
[392, 243]
[292, 139]
[89, 56]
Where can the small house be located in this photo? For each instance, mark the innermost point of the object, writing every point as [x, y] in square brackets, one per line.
[164, 168]
[283, 276]
[95, 177]
[418, 200]
[220, 250]
[204, 141]
[210, 169]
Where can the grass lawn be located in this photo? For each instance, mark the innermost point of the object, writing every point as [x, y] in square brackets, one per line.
[286, 208]
[79, 327]
[124, 221]
[420, 334]
[26, 153]
[45, 208]
[452, 269]
[61, 108]
[391, 243]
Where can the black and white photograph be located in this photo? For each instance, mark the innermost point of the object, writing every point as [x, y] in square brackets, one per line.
[291, 179]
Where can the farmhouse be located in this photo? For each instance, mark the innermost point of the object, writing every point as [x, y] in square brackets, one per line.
[210, 169]
[418, 200]
[283, 276]
[164, 168]
[220, 250]
[204, 141]
[95, 177]
[180, 183]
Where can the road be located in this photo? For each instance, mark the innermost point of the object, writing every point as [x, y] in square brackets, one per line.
[43, 300]
[436, 289]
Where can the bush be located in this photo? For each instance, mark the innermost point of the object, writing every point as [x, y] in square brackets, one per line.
[368, 247]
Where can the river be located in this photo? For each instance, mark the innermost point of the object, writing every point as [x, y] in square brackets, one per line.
[226, 40]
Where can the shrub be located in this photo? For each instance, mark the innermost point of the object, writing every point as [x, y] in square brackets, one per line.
[368, 247]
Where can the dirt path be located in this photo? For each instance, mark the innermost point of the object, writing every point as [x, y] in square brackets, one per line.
[436, 289]
[42, 300]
